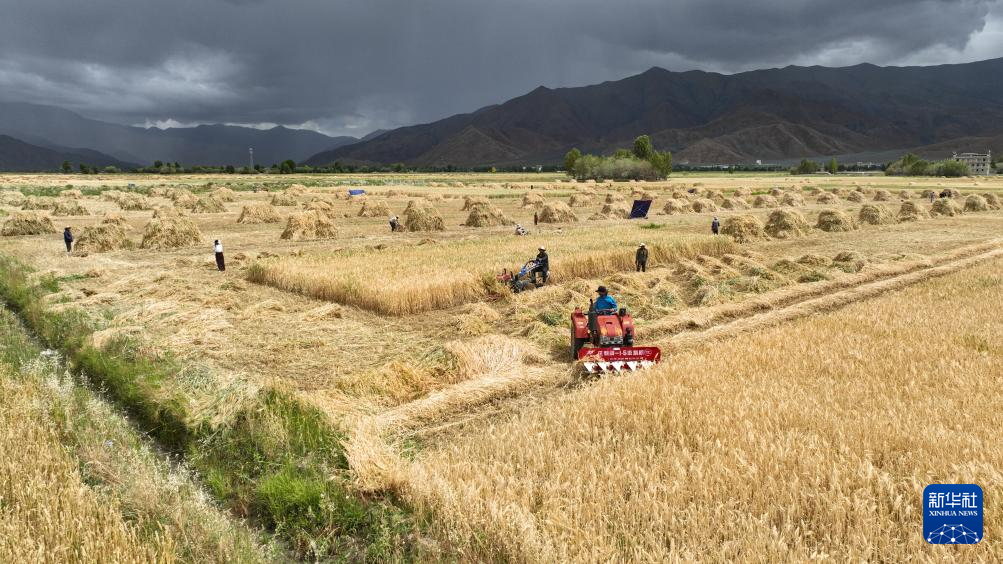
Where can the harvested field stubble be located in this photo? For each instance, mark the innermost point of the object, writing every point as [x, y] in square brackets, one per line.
[500, 492]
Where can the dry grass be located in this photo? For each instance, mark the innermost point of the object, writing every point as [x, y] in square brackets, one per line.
[805, 472]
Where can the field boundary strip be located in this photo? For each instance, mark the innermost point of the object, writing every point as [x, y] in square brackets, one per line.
[441, 406]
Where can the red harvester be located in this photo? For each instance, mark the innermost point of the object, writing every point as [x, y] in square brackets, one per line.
[604, 341]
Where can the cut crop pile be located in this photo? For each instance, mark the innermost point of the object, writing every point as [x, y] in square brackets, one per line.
[743, 228]
[309, 226]
[557, 212]
[258, 212]
[787, 224]
[27, 223]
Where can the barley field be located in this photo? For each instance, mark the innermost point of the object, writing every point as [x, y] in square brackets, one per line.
[781, 425]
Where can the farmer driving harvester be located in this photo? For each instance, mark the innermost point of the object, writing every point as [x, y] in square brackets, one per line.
[605, 303]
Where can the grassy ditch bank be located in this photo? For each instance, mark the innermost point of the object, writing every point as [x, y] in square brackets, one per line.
[268, 457]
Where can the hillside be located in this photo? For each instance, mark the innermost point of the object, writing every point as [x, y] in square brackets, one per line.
[52, 127]
[18, 156]
[774, 114]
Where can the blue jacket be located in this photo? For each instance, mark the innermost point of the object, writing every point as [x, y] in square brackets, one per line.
[67, 236]
[606, 303]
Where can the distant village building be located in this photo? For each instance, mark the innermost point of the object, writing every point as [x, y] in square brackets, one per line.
[978, 164]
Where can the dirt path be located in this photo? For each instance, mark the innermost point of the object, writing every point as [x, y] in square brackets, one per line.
[443, 408]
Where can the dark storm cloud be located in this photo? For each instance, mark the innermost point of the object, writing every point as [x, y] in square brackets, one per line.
[348, 66]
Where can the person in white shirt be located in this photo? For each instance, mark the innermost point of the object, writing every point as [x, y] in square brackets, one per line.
[218, 248]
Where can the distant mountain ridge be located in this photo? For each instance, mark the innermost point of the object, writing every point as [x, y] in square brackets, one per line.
[702, 117]
[18, 156]
[49, 126]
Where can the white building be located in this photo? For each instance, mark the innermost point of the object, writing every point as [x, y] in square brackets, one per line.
[978, 164]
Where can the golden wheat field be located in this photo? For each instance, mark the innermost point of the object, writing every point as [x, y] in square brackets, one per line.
[815, 354]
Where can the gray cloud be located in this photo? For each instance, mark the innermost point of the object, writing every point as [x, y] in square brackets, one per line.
[350, 66]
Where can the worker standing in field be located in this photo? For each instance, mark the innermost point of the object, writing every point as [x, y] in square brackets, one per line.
[715, 226]
[68, 239]
[542, 265]
[536, 218]
[217, 247]
[641, 258]
[394, 224]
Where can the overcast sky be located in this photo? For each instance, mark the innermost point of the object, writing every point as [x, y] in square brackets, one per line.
[351, 66]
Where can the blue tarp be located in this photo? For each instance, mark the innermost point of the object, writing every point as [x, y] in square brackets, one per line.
[640, 209]
[356, 192]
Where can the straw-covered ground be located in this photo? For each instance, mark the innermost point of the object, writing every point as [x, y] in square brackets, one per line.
[412, 349]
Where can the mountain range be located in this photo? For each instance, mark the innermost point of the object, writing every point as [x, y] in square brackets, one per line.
[864, 112]
[56, 128]
[771, 115]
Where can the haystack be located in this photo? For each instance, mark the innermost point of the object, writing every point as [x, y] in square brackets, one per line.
[101, 238]
[168, 213]
[976, 203]
[114, 195]
[284, 199]
[224, 194]
[557, 212]
[171, 233]
[309, 226]
[470, 201]
[776, 192]
[743, 228]
[112, 218]
[38, 203]
[642, 195]
[12, 198]
[69, 207]
[992, 200]
[133, 202]
[27, 223]
[71, 194]
[374, 209]
[927, 194]
[905, 195]
[258, 212]
[531, 200]
[814, 260]
[183, 198]
[946, 207]
[610, 211]
[580, 201]
[882, 196]
[787, 224]
[911, 211]
[952, 193]
[764, 201]
[792, 199]
[322, 206]
[295, 190]
[675, 206]
[208, 204]
[734, 204]
[743, 192]
[486, 215]
[828, 198]
[835, 221]
[874, 214]
[423, 217]
[704, 205]
[613, 198]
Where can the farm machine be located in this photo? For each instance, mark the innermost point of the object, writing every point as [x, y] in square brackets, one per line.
[603, 341]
